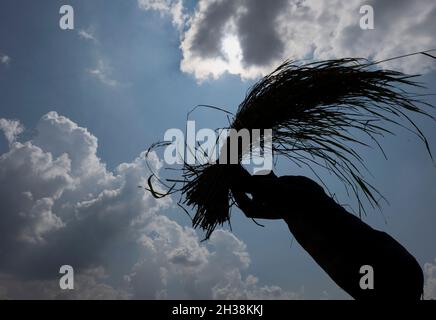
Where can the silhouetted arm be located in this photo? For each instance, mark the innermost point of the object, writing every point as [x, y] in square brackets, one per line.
[338, 241]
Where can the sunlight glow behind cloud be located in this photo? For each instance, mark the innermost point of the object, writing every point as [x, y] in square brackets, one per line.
[269, 32]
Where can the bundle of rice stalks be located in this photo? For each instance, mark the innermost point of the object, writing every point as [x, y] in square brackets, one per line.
[316, 112]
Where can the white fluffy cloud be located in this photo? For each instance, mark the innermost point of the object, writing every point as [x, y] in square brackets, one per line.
[11, 129]
[59, 204]
[250, 37]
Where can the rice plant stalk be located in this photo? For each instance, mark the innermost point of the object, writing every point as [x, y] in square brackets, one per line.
[316, 112]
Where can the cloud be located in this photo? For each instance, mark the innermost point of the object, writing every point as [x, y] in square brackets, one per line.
[249, 289]
[171, 8]
[250, 37]
[87, 35]
[5, 59]
[430, 280]
[226, 36]
[194, 271]
[87, 286]
[102, 72]
[11, 129]
[59, 204]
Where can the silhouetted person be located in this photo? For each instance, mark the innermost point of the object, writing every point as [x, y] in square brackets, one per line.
[337, 240]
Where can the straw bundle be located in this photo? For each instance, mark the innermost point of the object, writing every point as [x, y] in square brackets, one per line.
[313, 110]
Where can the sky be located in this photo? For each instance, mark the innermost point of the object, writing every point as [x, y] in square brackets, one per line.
[79, 107]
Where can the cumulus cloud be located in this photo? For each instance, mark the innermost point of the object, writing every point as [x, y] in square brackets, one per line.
[30, 182]
[59, 204]
[11, 129]
[250, 37]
